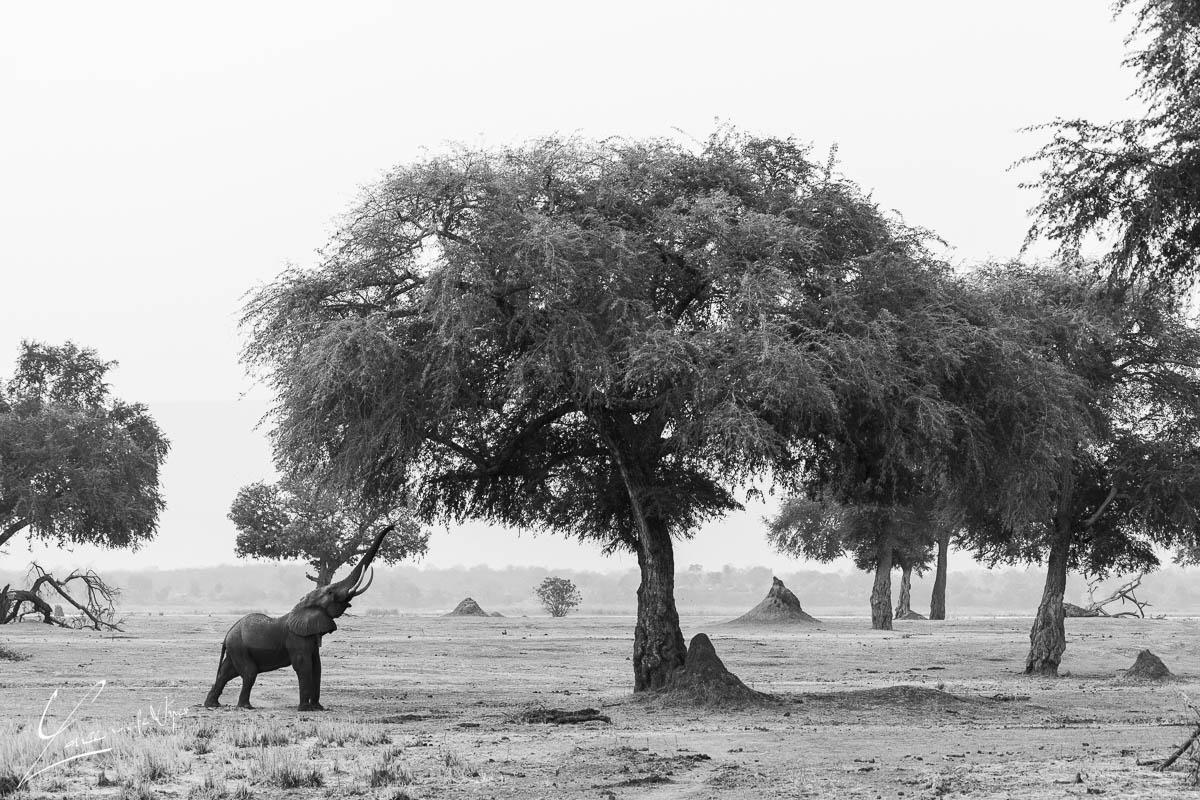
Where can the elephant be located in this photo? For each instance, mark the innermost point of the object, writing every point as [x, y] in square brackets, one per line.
[257, 643]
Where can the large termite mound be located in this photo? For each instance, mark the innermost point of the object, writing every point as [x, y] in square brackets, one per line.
[779, 607]
[468, 608]
[1148, 667]
[704, 680]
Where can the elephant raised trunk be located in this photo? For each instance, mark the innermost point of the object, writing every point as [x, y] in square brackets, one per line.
[349, 586]
[258, 643]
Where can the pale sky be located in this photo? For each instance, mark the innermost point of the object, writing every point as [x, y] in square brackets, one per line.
[158, 160]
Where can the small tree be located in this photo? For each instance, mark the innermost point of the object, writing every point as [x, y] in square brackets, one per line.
[302, 519]
[558, 595]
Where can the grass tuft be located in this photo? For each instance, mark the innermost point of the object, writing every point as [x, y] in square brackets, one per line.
[257, 735]
[457, 766]
[137, 791]
[339, 734]
[8, 654]
[285, 769]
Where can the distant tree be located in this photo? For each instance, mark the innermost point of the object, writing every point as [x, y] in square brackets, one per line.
[558, 596]
[878, 538]
[932, 431]
[304, 519]
[1135, 182]
[77, 466]
[937, 598]
[601, 339]
[1128, 482]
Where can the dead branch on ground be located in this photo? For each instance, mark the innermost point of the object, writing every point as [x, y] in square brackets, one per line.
[1123, 593]
[96, 605]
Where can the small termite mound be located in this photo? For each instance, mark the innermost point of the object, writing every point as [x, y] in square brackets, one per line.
[468, 608]
[1148, 667]
[704, 680]
[779, 607]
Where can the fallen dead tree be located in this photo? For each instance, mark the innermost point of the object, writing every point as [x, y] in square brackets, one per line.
[1125, 593]
[96, 605]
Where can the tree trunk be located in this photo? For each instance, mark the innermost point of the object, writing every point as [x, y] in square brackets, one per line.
[324, 575]
[881, 592]
[658, 646]
[937, 601]
[1048, 637]
[904, 603]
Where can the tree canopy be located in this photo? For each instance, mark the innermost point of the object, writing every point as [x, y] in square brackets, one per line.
[304, 519]
[558, 596]
[77, 466]
[602, 339]
[1127, 484]
[1135, 182]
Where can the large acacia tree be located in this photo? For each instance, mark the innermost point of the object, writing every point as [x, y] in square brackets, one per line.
[1127, 483]
[601, 339]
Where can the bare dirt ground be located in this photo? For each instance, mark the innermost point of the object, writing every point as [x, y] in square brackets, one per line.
[431, 707]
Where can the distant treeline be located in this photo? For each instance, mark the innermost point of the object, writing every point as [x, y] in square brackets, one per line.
[410, 589]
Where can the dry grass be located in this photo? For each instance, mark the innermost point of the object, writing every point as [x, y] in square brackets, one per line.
[438, 715]
[259, 735]
[387, 772]
[339, 734]
[286, 769]
[455, 766]
[8, 654]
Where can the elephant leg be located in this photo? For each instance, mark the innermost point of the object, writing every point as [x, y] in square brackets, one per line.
[316, 681]
[316, 685]
[304, 675]
[225, 673]
[248, 679]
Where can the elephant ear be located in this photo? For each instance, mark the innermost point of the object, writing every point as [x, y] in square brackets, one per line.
[310, 622]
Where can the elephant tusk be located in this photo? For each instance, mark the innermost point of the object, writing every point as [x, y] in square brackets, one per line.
[356, 591]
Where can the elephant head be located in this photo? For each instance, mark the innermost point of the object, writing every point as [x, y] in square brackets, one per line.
[315, 612]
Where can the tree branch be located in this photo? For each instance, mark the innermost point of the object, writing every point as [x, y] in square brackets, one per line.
[12, 530]
[1112, 495]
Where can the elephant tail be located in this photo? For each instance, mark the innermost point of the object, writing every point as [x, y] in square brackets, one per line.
[221, 660]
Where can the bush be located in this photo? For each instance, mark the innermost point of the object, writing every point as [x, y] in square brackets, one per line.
[558, 595]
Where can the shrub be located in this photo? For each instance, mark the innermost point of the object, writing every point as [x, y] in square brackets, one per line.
[558, 595]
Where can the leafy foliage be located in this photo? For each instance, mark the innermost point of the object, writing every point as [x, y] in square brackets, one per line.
[498, 333]
[823, 530]
[1136, 181]
[1129, 481]
[77, 466]
[558, 596]
[303, 519]
[607, 340]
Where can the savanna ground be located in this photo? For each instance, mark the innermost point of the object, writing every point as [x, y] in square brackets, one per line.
[432, 707]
